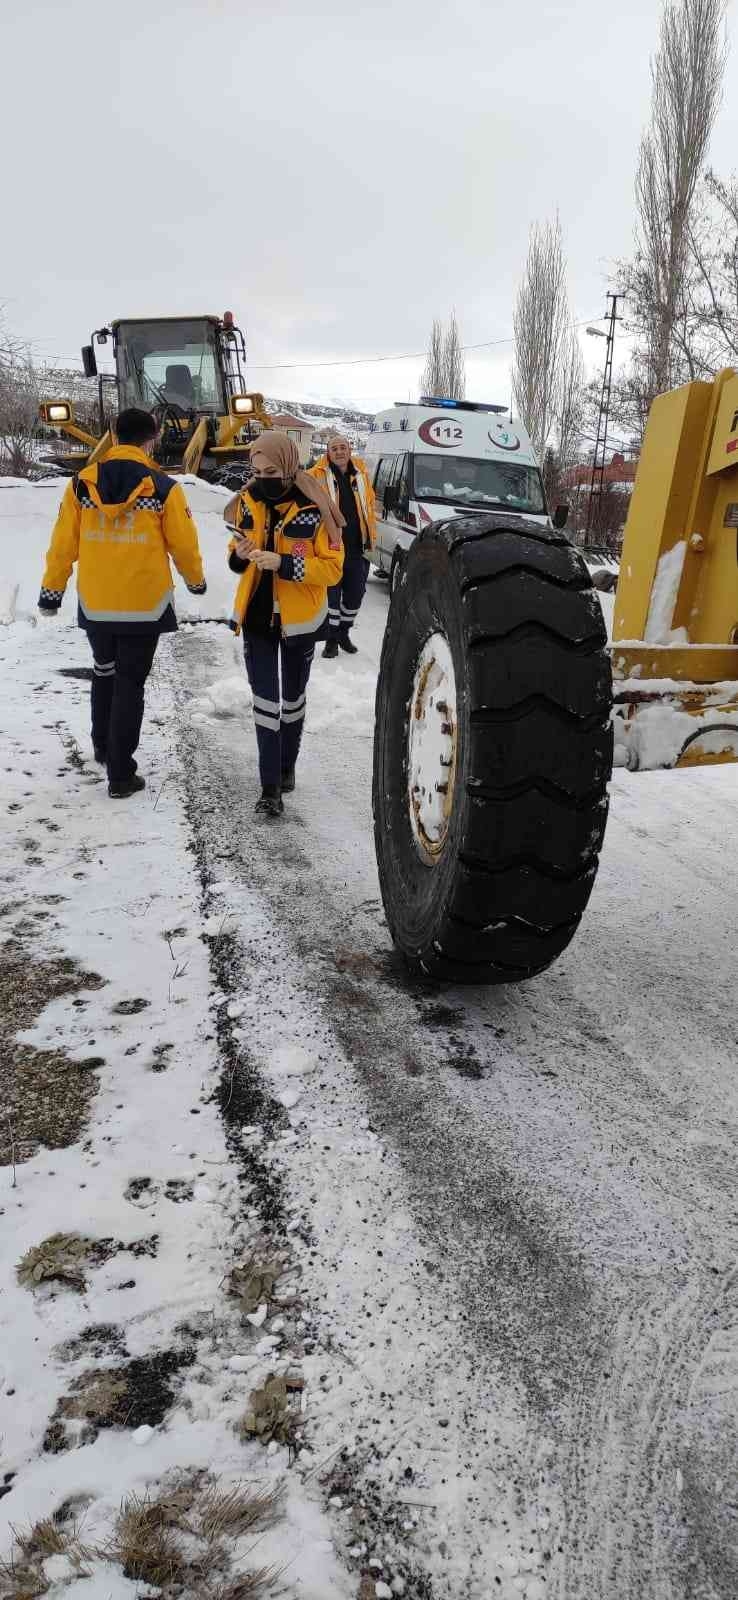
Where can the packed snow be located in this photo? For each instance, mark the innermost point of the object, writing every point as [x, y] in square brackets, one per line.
[506, 1216]
[664, 593]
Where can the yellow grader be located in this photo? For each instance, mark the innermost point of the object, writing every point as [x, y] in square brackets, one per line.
[498, 700]
[675, 633]
[190, 371]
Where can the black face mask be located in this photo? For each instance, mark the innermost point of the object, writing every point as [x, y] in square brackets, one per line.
[269, 489]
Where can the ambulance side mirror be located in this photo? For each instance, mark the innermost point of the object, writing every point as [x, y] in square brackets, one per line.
[89, 363]
[560, 516]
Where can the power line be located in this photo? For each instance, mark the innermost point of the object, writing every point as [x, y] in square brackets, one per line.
[370, 361]
[357, 361]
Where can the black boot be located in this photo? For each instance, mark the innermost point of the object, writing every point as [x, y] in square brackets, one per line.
[127, 787]
[346, 642]
[288, 781]
[331, 650]
[269, 803]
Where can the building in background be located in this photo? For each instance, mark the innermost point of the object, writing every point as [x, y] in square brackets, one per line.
[296, 428]
[608, 522]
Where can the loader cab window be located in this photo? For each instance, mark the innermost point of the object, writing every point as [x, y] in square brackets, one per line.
[174, 363]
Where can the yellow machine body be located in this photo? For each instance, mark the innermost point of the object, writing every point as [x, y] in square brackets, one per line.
[675, 627]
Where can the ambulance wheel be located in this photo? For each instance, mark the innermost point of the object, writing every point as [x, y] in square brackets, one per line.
[398, 562]
[492, 750]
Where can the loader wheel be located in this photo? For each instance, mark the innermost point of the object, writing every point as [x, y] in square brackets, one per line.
[492, 749]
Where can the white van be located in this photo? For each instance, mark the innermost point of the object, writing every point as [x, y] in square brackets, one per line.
[444, 458]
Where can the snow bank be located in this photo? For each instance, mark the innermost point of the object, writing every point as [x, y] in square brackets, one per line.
[8, 601]
[228, 697]
[151, 1162]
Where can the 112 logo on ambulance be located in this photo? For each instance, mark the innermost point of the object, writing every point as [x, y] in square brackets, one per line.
[440, 432]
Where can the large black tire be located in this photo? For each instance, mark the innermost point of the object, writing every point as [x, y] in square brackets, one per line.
[502, 893]
[396, 568]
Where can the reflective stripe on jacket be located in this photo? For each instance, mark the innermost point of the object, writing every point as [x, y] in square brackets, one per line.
[122, 520]
[363, 495]
[310, 566]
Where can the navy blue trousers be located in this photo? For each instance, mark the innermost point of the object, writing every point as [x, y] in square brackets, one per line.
[344, 599]
[122, 663]
[279, 713]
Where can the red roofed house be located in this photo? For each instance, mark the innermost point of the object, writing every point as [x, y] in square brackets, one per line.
[618, 472]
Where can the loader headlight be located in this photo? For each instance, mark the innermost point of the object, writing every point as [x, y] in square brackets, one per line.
[242, 405]
[58, 411]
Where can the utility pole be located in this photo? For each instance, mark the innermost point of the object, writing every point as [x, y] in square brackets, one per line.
[598, 463]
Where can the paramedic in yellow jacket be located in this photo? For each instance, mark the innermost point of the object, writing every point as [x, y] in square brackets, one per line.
[287, 547]
[345, 478]
[122, 520]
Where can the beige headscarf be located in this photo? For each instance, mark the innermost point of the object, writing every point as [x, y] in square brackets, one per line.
[281, 452]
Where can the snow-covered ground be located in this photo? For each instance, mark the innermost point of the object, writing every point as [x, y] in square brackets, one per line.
[507, 1216]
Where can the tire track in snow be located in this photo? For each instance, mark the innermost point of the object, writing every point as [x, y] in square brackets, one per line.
[581, 1284]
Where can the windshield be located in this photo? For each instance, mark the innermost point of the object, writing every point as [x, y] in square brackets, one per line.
[463, 481]
[173, 362]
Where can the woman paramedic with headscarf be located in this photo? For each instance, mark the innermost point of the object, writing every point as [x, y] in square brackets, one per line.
[287, 546]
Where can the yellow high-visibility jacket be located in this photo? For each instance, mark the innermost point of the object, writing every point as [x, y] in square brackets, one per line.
[309, 567]
[363, 495]
[122, 520]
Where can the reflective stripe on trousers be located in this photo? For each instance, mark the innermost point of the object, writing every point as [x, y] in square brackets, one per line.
[279, 714]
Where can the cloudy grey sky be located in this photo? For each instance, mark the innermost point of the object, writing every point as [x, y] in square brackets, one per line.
[335, 177]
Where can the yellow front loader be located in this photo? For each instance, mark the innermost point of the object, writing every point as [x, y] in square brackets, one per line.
[675, 631]
[190, 371]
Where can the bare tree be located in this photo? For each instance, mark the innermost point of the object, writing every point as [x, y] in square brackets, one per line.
[453, 361]
[444, 374]
[18, 405]
[687, 77]
[708, 337]
[571, 401]
[434, 371]
[540, 322]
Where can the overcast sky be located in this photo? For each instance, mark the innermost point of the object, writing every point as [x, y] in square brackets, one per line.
[335, 179]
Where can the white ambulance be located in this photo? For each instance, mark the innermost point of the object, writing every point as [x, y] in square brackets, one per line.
[445, 458]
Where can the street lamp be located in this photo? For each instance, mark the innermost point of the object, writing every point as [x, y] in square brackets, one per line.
[597, 333]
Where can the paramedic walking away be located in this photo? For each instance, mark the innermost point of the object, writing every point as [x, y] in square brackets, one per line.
[122, 521]
[346, 480]
[287, 546]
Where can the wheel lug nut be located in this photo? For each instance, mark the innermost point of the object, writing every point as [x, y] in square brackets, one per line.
[442, 788]
[447, 727]
[442, 707]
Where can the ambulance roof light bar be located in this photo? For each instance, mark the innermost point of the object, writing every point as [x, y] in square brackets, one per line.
[457, 405]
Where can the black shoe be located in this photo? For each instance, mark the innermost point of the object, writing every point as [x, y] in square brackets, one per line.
[347, 644]
[99, 754]
[128, 786]
[269, 804]
[331, 650]
[288, 781]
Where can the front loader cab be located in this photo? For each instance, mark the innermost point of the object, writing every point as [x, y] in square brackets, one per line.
[172, 367]
[189, 371]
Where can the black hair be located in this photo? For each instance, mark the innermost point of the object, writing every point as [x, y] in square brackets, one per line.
[135, 426]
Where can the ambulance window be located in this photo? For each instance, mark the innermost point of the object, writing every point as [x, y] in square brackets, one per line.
[401, 483]
[383, 475]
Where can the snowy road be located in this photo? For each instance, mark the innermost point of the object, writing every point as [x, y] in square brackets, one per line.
[566, 1151]
[513, 1210]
